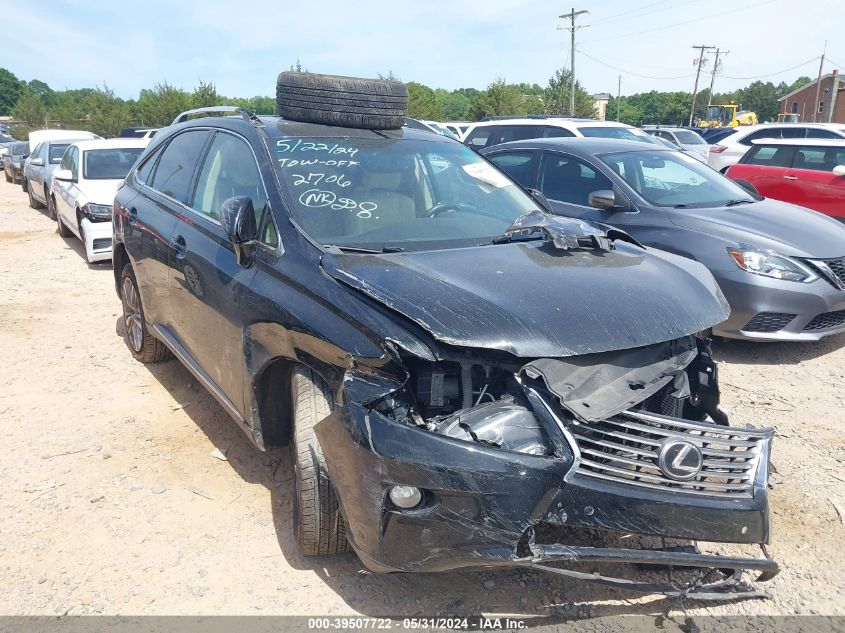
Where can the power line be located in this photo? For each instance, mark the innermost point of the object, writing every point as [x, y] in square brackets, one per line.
[626, 16]
[669, 26]
[627, 72]
[834, 63]
[785, 70]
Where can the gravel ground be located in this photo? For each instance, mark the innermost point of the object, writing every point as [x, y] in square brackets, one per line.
[114, 499]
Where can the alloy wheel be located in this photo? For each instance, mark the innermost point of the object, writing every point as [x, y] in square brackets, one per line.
[132, 315]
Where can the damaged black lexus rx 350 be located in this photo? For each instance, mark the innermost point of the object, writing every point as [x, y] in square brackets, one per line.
[455, 370]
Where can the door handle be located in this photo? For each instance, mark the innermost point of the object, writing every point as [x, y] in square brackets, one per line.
[790, 177]
[179, 246]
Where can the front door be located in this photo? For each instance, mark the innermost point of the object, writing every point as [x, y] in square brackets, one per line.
[206, 281]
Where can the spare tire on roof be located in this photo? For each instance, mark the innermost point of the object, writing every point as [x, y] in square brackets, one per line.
[342, 101]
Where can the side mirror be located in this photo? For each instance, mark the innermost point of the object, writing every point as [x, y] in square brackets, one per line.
[540, 199]
[237, 216]
[63, 174]
[38, 162]
[602, 199]
[839, 170]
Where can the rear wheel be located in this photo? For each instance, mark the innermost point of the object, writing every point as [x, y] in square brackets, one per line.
[143, 345]
[318, 523]
[8, 177]
[24, 184]
[51, 204]
[32, 201]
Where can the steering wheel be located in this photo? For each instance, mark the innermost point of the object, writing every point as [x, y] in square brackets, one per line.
[442, 207]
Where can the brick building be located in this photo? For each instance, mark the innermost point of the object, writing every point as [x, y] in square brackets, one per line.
[831, 104]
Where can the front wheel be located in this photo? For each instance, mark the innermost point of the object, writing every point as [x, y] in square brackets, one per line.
[143, 345]
[318, 523]
[61, 228]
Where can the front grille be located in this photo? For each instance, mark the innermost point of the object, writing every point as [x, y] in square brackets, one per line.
[102, 242]
[625, 449]
[826, 321]
[833, 270]
[768, 322]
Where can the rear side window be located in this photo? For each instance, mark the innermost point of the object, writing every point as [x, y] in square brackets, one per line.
[551, 131]
[817, 133]
[568, 179]
[517, 165]
[483, 136]
[519, 132]
[177, 164]
[769, 156]
[818, 158]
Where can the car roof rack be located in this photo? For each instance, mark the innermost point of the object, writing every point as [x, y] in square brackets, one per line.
[245, 114]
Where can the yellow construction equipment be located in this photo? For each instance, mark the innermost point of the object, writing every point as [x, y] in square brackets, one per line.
[727, 115]
[789, 117]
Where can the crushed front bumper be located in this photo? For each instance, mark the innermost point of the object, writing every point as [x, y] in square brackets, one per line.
[481, 505]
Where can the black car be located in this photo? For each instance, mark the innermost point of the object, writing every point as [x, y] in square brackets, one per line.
[454, 368]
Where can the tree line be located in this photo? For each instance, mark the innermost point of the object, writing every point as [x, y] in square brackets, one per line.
[33, 104]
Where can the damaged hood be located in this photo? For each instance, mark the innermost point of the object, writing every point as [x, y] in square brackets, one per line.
[532, 300]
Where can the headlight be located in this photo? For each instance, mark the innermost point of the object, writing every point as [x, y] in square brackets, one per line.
[770, 264]
[99, 211]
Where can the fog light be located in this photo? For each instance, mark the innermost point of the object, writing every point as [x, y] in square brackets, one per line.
[405, 496]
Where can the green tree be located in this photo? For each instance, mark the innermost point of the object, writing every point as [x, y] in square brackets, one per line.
[29, 109]
[205, 94]
[557, 96]
[500, 99]
[802, 81]
[422, 103]
[159, 106]
[10, 91]
[106, 113]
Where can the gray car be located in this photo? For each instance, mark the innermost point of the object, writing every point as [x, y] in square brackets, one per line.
[687, 140]
[38, 172]
[13, 164]
[781, 267]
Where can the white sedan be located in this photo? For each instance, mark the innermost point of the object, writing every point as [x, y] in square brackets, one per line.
[84, 186]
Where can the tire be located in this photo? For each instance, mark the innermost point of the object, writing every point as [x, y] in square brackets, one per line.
[318, 523]
[8, 177]
[24, 184]
[33, 203]
[51, 210]
[61, 228]
[342, 101]
[143, 345]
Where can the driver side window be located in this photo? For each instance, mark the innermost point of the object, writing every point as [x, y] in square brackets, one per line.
[567, 179]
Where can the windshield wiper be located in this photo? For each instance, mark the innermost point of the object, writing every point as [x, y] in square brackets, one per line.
[360, 249]
[733, 203]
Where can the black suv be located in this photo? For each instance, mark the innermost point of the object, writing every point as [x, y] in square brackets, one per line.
[453, 367]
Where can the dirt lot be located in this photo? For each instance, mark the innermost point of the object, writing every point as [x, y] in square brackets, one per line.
[112, 502]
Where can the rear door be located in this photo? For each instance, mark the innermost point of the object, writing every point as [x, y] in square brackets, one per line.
[161, 189]
[811, 182]
[206, 281]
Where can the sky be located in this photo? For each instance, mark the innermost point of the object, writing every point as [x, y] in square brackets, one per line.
[241, 45]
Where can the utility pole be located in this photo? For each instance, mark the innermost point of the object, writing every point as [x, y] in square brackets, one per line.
[572, 28]
[618, 97]
[819, 84]
[716, 68]
[702, 49]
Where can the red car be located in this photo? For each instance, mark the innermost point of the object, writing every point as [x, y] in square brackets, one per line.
[803, 171]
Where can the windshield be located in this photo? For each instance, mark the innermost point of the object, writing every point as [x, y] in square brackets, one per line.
[624, 133]
[686, 137]
[57, 150]
[406, 193]
[673, 179]
[19, 149]
[109, 164]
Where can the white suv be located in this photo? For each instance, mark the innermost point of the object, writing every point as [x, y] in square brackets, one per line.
[506, 129]
[84, 187]
[730, 149]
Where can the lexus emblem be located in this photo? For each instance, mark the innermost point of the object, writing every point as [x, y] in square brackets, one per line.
[680, 460]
